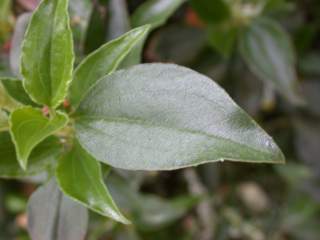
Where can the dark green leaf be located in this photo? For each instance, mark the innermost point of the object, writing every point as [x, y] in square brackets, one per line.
[28, 127]
[268, 51]
[15, 89]
[223, 38]
[42, 157]
[79, 176]
[162, 117]
[96, 30]
[102, 62]
[155, 12]
[53, 216]
[211, 11]
[149, 212]
[47, 53]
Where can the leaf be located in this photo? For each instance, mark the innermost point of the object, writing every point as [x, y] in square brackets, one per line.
[15, 89]
[6, 101]
[53, 216]
[96, 29]
[4, 125]
[149, 212]
[155, 12]
[47, 53]
[223, 37]
[164, 117]
[16, 42]
[42, 158]
[268, 51]
[79, 176]
[119, 21]
[211, 11]
[28, 127]
[102, 62]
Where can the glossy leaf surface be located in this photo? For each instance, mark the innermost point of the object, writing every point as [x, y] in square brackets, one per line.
[162, 116]
[102, 62]
[53, 216]
[47, 53]
[79, 176]
[41, 158]
[28, 127]
[15, 89]
[267, 49]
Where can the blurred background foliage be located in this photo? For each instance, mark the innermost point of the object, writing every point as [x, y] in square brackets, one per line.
[266, 54]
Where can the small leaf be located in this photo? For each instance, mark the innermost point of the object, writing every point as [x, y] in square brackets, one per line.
[268, 51]
[42, 157]
[119, 21]
[53, 216]
[155, 12]
[163, 117]
[28, 127]
[96, 30]
[15, 89]
[102, 62]
[16, 42]
[47, 53]
[6, 101]
[79, 176]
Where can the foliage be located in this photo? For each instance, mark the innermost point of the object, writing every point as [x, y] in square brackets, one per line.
[80, 114]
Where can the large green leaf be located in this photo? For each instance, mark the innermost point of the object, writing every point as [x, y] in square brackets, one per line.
[53, 216]
[162, 116]
[102, 62]
[268, 51]
[41, 159]
[28, 127]
[155, 13]
[47, 53]
[15, 89]
[79, 176]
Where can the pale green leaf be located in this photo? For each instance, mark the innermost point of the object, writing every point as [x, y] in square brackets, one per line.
[268, 51]
[53, 216]
[4, 125]
[42, 157]
[79, 176]
[162, 117]
[47, 53]
[101, 62]
[28, 127]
